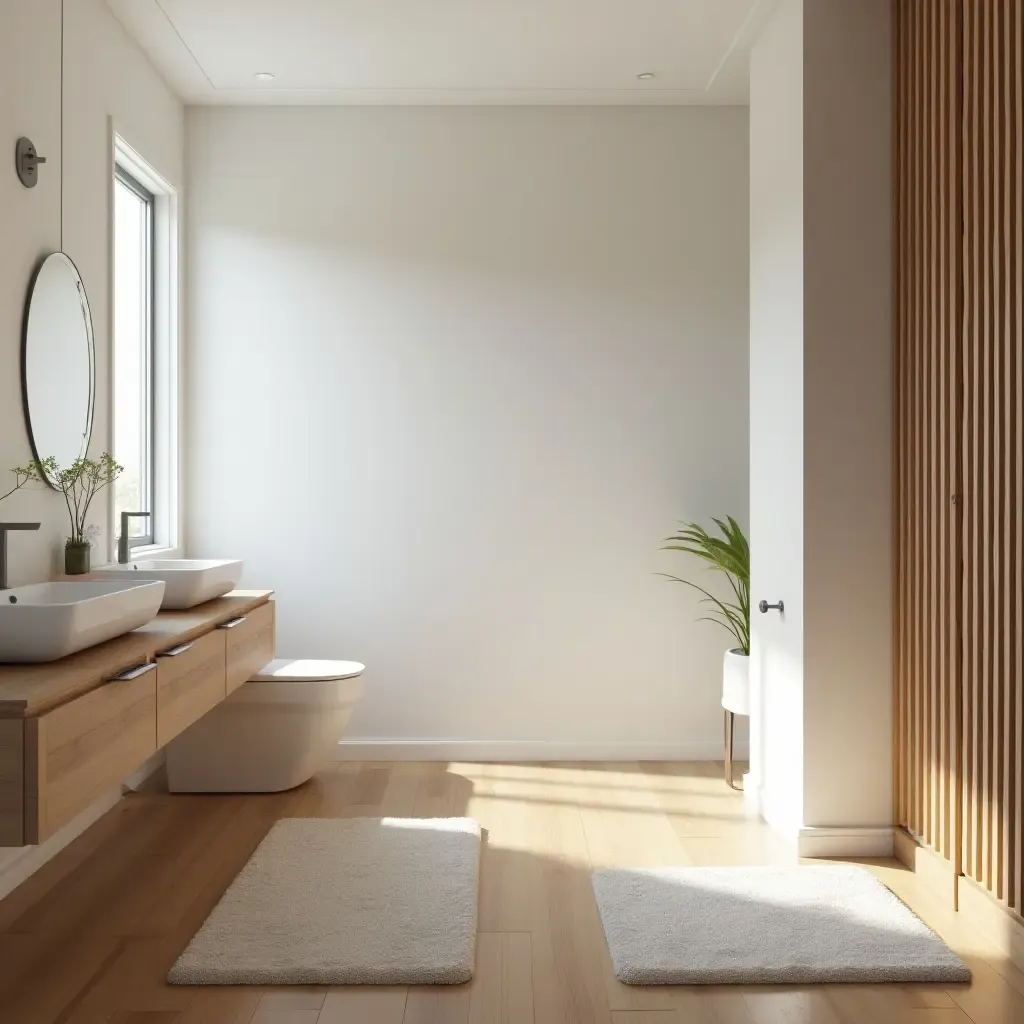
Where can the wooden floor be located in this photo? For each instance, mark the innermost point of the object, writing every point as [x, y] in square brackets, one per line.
[90, 937]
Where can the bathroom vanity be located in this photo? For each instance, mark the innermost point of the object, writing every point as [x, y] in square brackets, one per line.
[73, 729]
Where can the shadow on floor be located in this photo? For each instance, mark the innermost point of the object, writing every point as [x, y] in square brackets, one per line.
[89, 938]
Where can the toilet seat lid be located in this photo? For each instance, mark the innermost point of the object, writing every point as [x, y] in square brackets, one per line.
[306, 670]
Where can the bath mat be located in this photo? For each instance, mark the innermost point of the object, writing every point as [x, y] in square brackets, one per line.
[793, 925]
[346, 901]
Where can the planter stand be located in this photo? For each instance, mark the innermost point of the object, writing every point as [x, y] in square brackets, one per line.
[735, 700]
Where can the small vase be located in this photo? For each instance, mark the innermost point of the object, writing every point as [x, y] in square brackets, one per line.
[76, 558]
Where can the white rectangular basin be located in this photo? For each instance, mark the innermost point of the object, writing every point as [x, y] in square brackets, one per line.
[189, 581]
[47, 621]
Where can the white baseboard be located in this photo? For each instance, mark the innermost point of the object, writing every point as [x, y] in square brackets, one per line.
[846, 842]
[18, 864]
[527, 750]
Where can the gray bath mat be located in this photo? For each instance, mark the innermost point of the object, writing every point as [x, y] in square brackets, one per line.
[346, 901]
[797, 926]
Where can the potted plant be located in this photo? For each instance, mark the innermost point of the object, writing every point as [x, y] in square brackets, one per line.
[79, 483]
[728, 554]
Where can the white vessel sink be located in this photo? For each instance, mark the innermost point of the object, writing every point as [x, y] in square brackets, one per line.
[190, 581]
[47, 621]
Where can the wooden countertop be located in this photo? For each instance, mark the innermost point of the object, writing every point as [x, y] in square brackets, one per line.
[28, 690]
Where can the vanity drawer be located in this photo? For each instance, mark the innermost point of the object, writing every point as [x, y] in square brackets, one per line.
[189, 682]
[12, 782]
[77, 752]
[250, 644]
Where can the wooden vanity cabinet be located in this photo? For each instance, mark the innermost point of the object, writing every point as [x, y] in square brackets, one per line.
[77, 752]
[73, 730]
[250, 644]
[189, 682]
[12, 782]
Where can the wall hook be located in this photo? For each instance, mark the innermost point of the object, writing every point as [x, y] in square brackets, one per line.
[27, 161]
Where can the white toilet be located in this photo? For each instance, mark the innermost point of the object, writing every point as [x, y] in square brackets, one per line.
[274, 732]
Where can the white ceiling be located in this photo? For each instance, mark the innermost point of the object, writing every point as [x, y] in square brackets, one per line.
[449, 51]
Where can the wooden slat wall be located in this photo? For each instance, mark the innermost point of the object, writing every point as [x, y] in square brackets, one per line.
[992, 444]
[960, 434]
[929, 313]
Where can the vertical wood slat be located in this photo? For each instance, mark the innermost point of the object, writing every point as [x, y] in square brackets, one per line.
[959, 460]
[992, 183]
[899, 705]
[1009, 668]
[921, 327]
[913, 270]
[1002, 443]
[977, 563]
[1017, 420]
[971, 483]
[928, 274]
[926, 465]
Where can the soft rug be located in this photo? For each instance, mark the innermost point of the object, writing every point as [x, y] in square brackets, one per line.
[346, 901]
[796, 926]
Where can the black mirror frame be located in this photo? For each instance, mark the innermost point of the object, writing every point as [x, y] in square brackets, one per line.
[87, 315]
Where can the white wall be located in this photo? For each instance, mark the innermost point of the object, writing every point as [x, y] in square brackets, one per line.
[105, 75]
[821, 415]
[453, 374]
[777, 415]
[848, 443]
[29, 52]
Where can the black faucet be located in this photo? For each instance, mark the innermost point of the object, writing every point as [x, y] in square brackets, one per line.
[6, 528]
[124, 545]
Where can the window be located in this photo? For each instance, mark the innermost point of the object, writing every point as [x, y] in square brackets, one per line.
[133, 363]
[145, 363]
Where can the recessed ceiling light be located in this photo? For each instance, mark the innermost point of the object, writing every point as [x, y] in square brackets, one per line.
[646, 76]
[263, 76]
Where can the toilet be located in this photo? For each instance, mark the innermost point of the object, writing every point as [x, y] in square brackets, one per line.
[274, 732]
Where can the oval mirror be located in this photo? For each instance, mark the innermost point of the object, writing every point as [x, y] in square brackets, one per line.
[58, 362]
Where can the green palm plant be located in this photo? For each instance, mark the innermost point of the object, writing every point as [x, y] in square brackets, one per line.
[728, 554]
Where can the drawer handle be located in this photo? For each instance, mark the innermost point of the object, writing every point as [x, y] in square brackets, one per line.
[175, 651]
[133, 673]
[231, 623]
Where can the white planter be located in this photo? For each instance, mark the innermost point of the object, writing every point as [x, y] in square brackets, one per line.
[736, 683]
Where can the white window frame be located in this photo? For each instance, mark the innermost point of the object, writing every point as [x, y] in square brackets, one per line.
[147, 538]
[167, 540]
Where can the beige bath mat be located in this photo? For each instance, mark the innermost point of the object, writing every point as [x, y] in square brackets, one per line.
[765, 926]
[346, 901]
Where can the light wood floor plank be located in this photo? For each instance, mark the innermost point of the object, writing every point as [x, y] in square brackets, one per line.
[511, 895]
[42, 979]
[144, 1017]
[651, 1017]
[135, 980]
[629, 830]
[726, 1005]
[364, 1004]
[501, 991]
[793, 1006]
[279, 1016]
[293, 997]
[928, 997]
[222, 1006]
[441, 793]
[88, 940]
[441, 1004]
